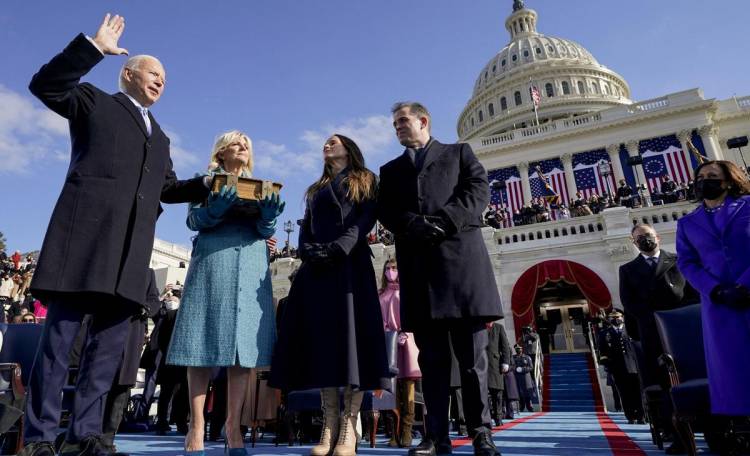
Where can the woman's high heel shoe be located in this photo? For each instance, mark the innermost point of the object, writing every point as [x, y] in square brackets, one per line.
[234, 451]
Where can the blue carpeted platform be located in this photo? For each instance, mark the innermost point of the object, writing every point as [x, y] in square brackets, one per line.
[571, 427]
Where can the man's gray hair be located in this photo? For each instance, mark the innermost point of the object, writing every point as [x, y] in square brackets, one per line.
[133, 63]
[415, 108]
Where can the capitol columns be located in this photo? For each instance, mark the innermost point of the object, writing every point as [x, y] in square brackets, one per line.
[523, 170]
[711, 142]
[570, 178]
[632, 147]
[684, 136]
[613, 150]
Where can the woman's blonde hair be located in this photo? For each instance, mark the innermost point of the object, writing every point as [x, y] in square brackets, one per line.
[223, 141]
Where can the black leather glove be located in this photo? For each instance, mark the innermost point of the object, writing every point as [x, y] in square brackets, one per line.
[731, 295]
[323, 254]
[427, 229]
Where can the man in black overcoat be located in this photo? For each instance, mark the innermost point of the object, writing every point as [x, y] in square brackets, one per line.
[649, 283]
[96, 252]
[431, 198]
[617, 355]
[127, 373]
[499, 359]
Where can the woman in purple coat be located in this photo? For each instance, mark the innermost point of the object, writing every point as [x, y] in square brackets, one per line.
[713, 250]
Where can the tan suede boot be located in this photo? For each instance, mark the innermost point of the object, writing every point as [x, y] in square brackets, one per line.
[348, 438]
[329, 434]
[406, 403]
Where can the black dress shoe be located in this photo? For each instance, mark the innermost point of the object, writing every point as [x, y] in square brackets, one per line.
[484, 446]
[675, 448]
[428, 447]
[640, 421]
[38, 449]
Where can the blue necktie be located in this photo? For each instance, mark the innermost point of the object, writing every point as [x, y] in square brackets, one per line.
[146, 120]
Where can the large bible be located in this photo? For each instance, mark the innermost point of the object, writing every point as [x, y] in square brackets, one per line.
[249, 192]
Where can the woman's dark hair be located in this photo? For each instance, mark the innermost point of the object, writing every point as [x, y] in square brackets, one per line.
[736, 178]
[384, 279]
[360, 181]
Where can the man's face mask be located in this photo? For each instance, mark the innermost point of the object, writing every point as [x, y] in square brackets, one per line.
[646, 243]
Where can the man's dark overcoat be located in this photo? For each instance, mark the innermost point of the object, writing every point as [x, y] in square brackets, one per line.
[643, 291]
[498, 353]
[101, 233]
[455, 278]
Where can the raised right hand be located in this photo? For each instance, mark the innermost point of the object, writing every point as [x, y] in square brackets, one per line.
[220, 202]
[109, 33]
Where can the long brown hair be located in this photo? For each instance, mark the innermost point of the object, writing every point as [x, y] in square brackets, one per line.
[383, 278]
[736, 178]
[360, 182]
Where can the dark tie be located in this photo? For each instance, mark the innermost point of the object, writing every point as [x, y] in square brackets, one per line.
[417, 156]
[652, 261]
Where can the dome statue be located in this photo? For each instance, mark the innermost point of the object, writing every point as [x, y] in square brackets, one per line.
[569, 80]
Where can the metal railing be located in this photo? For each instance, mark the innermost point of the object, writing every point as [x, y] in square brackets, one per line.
[538, 372]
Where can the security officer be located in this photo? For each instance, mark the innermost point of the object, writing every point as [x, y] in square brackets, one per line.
[617, 356]
[522, 369]
[528, 340]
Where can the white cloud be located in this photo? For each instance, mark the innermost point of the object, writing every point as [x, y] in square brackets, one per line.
[29, 133]
[182, 158]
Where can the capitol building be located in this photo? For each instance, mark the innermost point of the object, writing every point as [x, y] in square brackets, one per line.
[563, 270]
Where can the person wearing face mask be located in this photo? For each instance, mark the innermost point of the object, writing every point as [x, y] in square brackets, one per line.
[624, 194]
[332, 329]
[713, 244]
[408, 367]
[617, 356]
[649, 283]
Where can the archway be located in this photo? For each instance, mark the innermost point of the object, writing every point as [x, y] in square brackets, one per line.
[524, 291]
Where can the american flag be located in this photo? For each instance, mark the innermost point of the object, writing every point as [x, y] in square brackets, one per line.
[553, 172]
[589, 180]
[662, 156]
[510, 197]
[271, 243]
[536, 97]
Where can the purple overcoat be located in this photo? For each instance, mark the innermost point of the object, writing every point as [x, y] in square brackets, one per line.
[710, 253]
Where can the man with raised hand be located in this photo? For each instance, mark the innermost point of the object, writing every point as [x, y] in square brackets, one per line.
[96, 251]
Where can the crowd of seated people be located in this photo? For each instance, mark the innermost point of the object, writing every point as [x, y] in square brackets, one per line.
[539, 211]
[18, 305]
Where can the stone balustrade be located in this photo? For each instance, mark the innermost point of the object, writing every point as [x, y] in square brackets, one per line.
[609, 223]
[613, 114]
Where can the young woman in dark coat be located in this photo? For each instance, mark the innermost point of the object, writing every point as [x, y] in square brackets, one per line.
[331, 332]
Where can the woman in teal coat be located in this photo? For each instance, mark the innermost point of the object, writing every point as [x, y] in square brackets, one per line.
[226, 316]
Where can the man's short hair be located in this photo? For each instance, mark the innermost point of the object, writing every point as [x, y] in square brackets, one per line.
[133, 63]
[642, 225]
[418, 109]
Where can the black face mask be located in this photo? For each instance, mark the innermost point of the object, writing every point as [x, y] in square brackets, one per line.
[709, 189]
[646, 244]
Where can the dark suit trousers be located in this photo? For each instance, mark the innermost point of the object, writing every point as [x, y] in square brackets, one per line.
[469, 340]
[101, 358]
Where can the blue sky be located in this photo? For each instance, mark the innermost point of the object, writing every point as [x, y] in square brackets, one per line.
[290, 73]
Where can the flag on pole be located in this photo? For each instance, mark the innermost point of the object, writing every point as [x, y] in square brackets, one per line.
[536, 97]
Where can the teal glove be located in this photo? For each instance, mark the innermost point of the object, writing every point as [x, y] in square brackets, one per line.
[271, 207]
[220, 202]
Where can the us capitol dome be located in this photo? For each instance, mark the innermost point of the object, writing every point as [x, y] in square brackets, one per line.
[570, 81]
